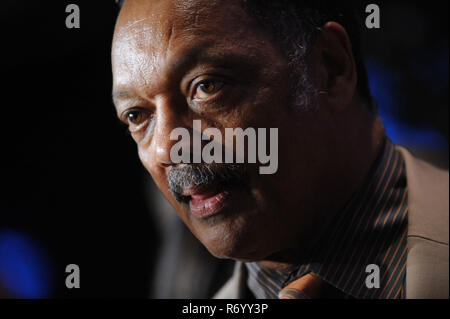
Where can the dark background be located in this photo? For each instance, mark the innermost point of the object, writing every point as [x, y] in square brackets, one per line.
[72, 187]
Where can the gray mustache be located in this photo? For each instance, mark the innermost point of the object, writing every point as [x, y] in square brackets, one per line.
[201, 175]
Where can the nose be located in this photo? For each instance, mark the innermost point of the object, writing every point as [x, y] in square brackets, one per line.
[168, 118]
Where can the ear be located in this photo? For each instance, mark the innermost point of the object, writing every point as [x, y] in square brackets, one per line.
[335, 75]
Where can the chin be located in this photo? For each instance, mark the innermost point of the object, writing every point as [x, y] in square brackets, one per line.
[239, 234]
[236, 249]
[240, 256]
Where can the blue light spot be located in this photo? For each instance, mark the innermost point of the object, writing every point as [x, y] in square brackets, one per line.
[23, 268]
[383, 83]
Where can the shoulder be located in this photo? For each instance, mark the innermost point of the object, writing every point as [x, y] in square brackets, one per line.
[428, 229]
[428, 199]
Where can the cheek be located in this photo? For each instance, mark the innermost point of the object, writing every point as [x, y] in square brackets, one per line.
[157, 172]
[147, 157]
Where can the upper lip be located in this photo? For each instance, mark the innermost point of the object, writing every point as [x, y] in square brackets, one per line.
[199, 190]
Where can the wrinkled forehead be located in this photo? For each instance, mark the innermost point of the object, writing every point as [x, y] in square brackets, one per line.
[156, 22]
[154, 29]
[144, 20]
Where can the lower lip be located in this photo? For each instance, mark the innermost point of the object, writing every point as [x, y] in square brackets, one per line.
[206, 206]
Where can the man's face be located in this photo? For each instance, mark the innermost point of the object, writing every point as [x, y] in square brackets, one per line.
[179, 61]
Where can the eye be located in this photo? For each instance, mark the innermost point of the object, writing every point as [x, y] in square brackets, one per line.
[135, 118]
[206, 88]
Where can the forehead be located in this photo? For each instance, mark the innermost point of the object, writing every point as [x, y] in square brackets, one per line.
[151, 36]
[161, 18]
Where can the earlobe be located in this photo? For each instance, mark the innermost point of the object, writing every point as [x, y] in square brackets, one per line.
[336, 67]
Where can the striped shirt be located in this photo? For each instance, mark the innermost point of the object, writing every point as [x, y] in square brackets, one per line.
[371, 230]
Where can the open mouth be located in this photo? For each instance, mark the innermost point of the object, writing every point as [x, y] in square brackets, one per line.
[208, 189]
[206, 202]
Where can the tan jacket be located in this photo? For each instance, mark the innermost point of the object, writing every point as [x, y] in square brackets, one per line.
[427, 261]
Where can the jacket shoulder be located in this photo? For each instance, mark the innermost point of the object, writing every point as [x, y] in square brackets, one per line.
[428, 229]
[428, 200]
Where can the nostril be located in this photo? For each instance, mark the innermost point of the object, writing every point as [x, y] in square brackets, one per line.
[166, 163]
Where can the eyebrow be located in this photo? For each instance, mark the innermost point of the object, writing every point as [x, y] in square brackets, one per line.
[204, 54]
[121, 94]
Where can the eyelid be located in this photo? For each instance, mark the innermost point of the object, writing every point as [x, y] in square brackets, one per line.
[197, 81]
[124, 114]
